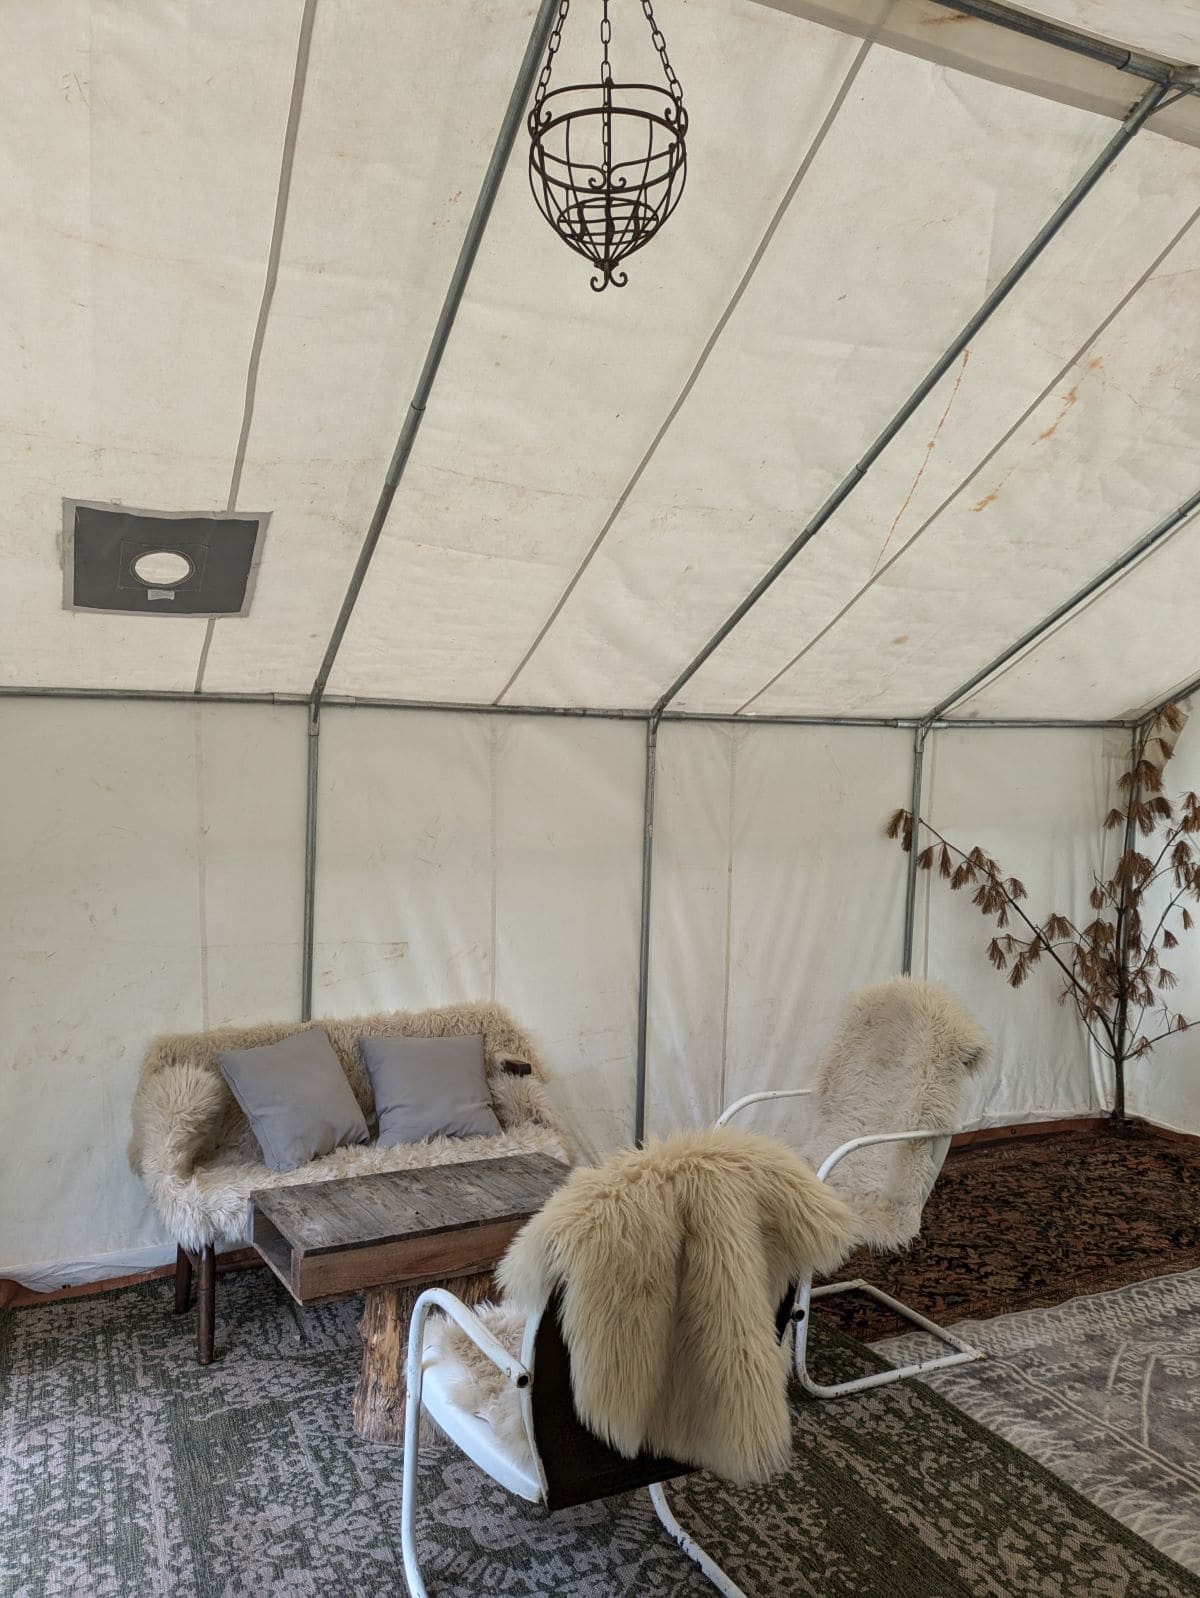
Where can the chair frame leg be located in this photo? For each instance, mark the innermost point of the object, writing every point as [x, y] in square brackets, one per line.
[413, 1381]
[183, 1281]
[722, 1582]
[963, 1353]
[206, 1304]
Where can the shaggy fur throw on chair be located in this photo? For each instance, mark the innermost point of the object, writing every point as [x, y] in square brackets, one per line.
[197, 1155]
[897, 1063]
[672, 1261]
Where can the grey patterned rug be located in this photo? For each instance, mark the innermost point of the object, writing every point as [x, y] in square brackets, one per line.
[126, 1470]
[1105, 1390]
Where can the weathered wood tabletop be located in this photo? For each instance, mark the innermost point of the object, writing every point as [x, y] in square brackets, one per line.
[390, 1235]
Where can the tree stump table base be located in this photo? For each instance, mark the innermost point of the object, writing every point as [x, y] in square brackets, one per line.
[379, 1398]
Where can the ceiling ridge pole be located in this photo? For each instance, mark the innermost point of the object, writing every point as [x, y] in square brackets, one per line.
[513, 117]
[1142, 111]
[1064, 37]
[1170, 524]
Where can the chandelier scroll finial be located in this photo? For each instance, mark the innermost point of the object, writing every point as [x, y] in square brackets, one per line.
[607, 160]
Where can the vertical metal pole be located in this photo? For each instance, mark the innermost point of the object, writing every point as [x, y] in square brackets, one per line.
[1133, 794]
[639, 1113]
[910, 891]
[310, 864]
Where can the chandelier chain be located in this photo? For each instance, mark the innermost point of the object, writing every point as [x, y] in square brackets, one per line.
[543, 82]
[605, 41]
[658, 39]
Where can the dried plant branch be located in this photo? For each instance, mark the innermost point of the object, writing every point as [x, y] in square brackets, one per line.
[1111, 968]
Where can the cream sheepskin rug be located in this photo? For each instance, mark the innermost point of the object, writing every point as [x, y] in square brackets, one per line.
[672, 1262]
[195, 1151]
[897, 1062]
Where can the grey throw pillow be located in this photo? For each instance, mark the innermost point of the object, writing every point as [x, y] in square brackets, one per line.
[295, 1096]
[429, 1087]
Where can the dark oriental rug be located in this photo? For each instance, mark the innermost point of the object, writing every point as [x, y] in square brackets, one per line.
[1032, 1221]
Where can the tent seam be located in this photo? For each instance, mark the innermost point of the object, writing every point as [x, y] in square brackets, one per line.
[274, 255]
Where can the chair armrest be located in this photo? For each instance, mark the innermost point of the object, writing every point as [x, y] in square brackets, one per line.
[512, 1065]
[731, 1110]
[831, 1160]
[465, 1319]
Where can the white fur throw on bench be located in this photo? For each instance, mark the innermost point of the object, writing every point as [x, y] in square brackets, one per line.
[197, 1155]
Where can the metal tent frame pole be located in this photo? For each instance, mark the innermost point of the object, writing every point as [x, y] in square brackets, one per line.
[910, 877]
[1164, 78]
[1135, 62]
[1138, 116]
[588, 713]
[308, 942]
[1142, 111]
[1169, 524]
[513, 117]
[1186, 692]
[643, 1013]
[514, 114]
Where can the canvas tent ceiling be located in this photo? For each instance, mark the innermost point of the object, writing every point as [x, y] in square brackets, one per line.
[600, 480]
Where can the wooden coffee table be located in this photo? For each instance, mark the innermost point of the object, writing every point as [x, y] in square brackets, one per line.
[390, 1236]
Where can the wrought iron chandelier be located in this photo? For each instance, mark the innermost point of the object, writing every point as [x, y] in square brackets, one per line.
[607, 161]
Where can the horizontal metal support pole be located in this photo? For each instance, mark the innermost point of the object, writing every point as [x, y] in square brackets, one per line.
[732, 719]
[168, 696]
[462, 707]
[1035, 724]
[584, 712]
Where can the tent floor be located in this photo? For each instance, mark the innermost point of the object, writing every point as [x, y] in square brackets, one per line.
[128, 1471]
[1031, 1221]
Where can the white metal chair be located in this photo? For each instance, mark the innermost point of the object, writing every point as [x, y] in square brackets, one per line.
[900, 1055]
[556, 1461]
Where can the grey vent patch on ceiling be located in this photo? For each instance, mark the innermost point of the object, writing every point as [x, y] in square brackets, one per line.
[158, 563]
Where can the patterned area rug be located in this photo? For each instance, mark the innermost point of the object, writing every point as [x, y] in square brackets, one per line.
[126, 1470]
[1033, 1221]
[1105, 1391]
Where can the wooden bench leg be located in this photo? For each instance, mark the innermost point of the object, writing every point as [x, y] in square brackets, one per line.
[206, 1304]
[379, 1396]
[183, 1281]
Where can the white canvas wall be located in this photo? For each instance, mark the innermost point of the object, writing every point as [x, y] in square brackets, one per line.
[1035, 800]
[465, 856]
[775, 895]
[150, 880]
